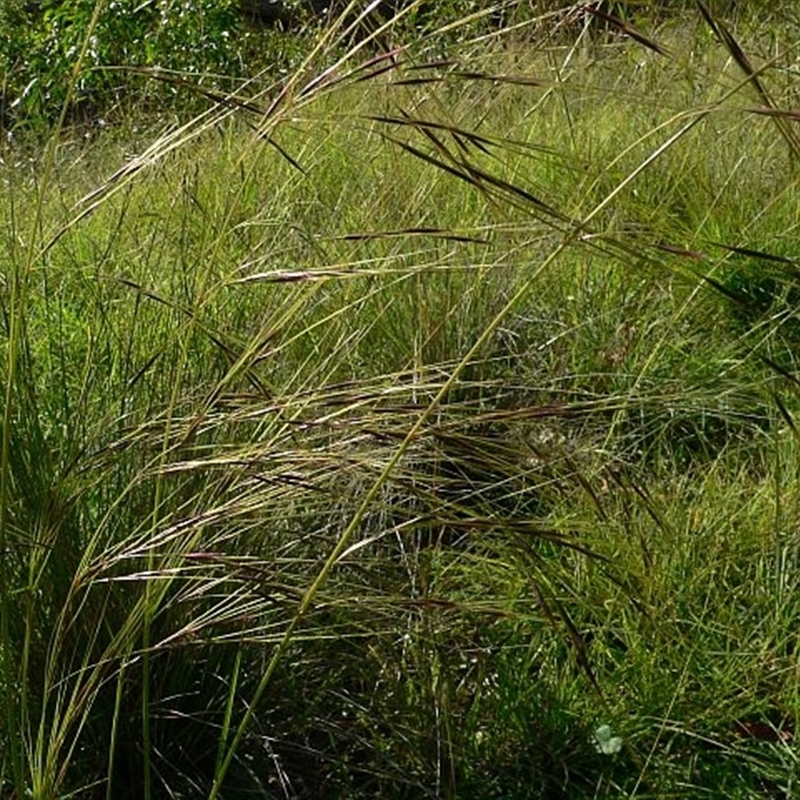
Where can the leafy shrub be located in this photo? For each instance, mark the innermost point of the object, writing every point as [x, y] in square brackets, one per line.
[41, 46]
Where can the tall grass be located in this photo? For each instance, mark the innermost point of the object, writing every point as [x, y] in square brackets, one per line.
[390, 431]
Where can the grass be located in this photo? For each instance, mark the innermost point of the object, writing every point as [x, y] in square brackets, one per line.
[394, 440]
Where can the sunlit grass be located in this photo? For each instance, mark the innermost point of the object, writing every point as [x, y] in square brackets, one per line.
[397, 445]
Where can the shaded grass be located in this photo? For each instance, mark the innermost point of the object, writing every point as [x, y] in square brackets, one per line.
[218, 364]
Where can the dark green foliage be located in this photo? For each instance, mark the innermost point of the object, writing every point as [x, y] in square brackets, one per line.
[764, 294]
[40, 48]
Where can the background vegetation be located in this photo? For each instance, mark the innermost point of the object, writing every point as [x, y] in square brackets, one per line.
[400, 422]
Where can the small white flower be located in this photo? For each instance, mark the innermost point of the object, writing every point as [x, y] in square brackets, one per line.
[605, 742]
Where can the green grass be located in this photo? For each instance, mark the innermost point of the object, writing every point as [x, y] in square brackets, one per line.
[392, 447]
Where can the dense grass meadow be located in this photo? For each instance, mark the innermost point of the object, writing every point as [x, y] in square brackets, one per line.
[414, 413]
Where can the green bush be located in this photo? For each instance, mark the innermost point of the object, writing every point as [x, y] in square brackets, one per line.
[70, 51]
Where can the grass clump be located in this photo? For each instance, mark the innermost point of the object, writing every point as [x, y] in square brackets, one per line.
[397, 431]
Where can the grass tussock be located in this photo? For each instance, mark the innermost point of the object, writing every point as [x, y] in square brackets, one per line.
[391, 430]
